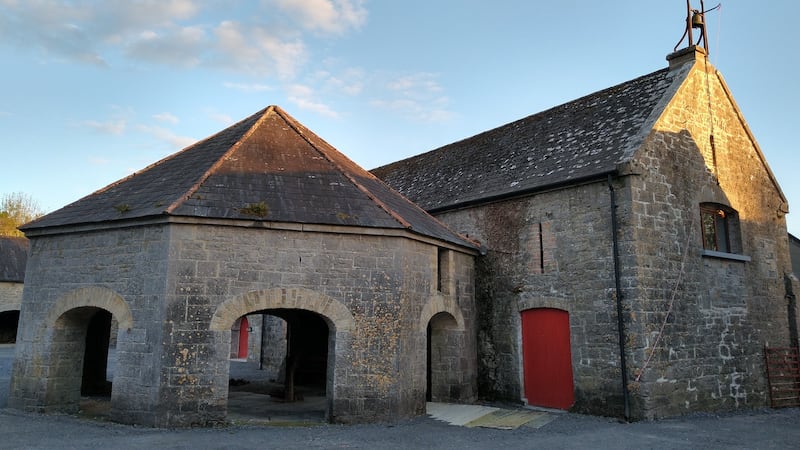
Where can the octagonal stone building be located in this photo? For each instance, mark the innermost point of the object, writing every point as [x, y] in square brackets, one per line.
[263, 217]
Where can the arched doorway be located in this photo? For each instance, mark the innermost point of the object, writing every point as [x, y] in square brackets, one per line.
[80, 359]
[443, 350]
[296, 389]
[547, 358]
[304, 311]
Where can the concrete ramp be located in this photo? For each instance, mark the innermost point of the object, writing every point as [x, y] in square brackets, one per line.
[487, 416]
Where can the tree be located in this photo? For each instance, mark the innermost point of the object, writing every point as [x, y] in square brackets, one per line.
[17, 209]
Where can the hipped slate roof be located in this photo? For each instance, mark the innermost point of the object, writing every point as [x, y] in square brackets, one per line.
[582, 139]
[13, 259]
[267, 167]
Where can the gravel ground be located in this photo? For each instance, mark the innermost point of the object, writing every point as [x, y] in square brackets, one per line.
[751, 430]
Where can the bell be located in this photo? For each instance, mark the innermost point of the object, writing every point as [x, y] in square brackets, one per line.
[697, 19]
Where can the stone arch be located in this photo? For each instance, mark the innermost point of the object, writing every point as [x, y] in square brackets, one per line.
[544, 302]
[94, 296]
[439, 304]
[73, 339]
[283, 298]
[7, 308]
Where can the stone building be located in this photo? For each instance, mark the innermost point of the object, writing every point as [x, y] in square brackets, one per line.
[262, 218]
[636, 247]
[794, 251]
[13, 257]
[622, 254]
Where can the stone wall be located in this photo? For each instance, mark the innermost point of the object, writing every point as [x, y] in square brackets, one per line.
[549, 250]
[176, 290]
[10, 296]
[382, 283]
[78, 272]
[10, 299]
[717, 313]
[554, 249]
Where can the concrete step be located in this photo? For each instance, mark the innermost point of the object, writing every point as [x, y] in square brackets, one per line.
[487, 416]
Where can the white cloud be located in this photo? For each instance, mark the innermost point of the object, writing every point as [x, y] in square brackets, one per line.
[416, 96]
[326, 16]
[165, 135]
[257, 51]
[166, 32]
[219, 117]
[304, 98]
[177, 46]
[99, 161]
[79, 30]
[349, 81]
[415, 84]
[115, 127]
[254, 87]
[166, 117]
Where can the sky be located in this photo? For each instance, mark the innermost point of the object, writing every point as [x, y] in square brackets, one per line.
[91, 91]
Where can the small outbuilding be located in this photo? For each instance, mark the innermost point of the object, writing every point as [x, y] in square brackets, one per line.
[264, 217]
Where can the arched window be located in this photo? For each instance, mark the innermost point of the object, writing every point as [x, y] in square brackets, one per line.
[720, 228]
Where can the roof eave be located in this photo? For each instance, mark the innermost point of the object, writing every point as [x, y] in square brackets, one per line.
[595, 177]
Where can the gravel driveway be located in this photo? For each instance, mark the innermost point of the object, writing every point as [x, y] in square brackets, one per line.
[751, 430]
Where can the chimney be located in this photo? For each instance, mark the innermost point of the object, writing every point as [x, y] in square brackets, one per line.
[686, 55]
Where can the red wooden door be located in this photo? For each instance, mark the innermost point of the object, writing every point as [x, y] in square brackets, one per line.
[243, 327]
[547, 360]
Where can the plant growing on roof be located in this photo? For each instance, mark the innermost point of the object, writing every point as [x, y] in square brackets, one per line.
[122, 208]
[255, 209]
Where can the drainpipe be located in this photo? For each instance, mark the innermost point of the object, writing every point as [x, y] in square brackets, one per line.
[620, 323]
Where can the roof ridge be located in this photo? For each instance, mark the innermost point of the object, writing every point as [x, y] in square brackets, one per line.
[294, 124]
[221, 160]
[529, 116]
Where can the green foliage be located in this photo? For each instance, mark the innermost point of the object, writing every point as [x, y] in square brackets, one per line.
[122, 208]
[17, 209]
[255, 209]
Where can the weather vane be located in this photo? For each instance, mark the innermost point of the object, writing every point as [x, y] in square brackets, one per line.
[696, 18]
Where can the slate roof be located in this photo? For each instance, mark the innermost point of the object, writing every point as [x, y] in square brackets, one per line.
[582, 139]
[266, 167]
[13, 259]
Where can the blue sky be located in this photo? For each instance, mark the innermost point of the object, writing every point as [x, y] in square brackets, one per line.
[91, 91]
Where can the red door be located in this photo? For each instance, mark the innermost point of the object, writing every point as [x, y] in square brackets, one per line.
[243, 327]
[547, 361]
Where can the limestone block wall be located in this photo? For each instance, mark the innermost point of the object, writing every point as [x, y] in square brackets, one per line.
[176, 290]
[122, 271]
[716, 313]
[10, 296]
[371, 291]
[10, 300]
[548, 250]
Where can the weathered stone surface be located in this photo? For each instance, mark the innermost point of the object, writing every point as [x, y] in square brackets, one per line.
[695, 322]
[375, 293]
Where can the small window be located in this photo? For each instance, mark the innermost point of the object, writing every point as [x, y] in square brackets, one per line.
[443, 271]
[720, 228]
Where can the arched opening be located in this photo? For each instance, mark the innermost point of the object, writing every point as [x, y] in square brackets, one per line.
[289, 381]
[547, 358]
[9, 321]
[443, 353]
[80, 375]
